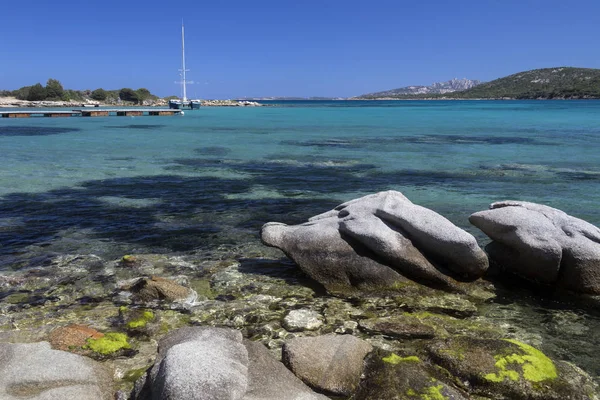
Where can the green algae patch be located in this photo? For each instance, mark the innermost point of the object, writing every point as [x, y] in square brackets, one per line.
[434, 393]
[141, 321]
[134, 374]
[535, 365]
[108, 344]
[396, 359]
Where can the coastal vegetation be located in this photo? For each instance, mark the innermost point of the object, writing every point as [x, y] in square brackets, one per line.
[546, 83]
[54, 91]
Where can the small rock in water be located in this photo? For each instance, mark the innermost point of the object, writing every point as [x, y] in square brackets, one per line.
[302, 320]
[72, 337]
[157, 288]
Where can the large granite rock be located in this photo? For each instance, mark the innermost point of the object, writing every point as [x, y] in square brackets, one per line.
[216, 364]
[543, 244]
[379, 240]
[200, 363]
[329, 363]
[34, 371]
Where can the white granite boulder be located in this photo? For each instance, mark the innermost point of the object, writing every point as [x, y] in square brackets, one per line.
[543, 244]
[377, 240]
[216, 364]
[36, 372]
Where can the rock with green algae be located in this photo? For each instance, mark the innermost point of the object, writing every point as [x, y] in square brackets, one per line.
[111, 344]
[393, 377]
[139, 321]
[509, 369]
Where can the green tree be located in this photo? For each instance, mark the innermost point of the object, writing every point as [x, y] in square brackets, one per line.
[54, 89]
[99, 94]
[22, 93]
[36, 92]
[142, 94]
[127, 94]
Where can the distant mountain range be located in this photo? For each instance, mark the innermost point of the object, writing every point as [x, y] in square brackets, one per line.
[546, 83]
[450, 86]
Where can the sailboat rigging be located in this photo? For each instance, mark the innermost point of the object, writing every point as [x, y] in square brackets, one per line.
[184, 102]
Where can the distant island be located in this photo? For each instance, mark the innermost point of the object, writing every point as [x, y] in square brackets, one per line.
[450, 86]
[546, 83]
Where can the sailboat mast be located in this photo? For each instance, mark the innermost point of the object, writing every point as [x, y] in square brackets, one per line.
[183, 62]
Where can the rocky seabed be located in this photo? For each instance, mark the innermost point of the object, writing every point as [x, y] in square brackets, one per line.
[378, 298]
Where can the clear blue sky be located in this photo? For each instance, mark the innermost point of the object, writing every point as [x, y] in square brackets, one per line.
[289, 47]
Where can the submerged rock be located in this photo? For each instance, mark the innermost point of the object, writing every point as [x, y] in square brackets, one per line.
[509, 369]
[378, 241]
[157, 288]
[330, 363]
[35, 371]
[72, 337]
[543, 244]
[302, 320]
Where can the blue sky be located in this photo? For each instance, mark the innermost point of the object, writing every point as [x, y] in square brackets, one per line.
[289, 48]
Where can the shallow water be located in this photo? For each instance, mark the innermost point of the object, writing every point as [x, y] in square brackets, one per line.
[210, 179]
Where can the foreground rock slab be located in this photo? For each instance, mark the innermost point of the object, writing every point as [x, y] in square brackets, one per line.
[215, 363]
[35, 371]
[379, 241]
[329, 363]
[543, 244]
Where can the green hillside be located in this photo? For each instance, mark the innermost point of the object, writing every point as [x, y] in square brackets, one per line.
[547, 83]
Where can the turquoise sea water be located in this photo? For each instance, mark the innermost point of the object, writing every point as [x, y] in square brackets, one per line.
[205, 183]
[214, 176]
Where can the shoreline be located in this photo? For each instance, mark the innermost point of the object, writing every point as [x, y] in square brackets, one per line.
[12, 102]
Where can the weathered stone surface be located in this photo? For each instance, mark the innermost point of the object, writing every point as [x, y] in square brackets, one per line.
[330, 363]
[157, 288]
[392, 377]
[269, 379]
[509, 369]
[200, 363]
[72, 336]
[302, 320]
[378, 241]
[543, 244]
[398, 327]
[35, 371]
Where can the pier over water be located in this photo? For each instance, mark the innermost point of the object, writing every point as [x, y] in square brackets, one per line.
[96, 112]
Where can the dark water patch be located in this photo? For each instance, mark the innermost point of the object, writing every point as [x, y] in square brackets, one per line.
[318, 159]
[470, 139]
[343, 143]
[120, 158]
[383, 143]
[137, 126]
[213, 151]
[35, 130]
[579, 175]
[194, 213]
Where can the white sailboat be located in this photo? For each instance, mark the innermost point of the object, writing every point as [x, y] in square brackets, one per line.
[184, 102]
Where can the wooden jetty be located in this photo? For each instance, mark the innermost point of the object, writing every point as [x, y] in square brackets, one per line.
[95, 112]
